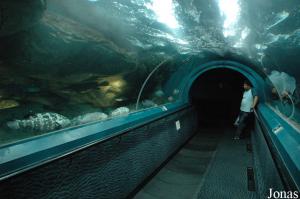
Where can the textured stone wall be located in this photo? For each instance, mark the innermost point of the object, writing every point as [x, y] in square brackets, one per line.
[111, 169]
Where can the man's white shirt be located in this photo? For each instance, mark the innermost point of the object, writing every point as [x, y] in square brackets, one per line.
[247, 101]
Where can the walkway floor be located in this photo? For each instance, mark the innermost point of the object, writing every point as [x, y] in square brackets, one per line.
[210, 165]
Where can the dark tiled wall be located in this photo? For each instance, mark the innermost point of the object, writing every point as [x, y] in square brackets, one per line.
[265, 169]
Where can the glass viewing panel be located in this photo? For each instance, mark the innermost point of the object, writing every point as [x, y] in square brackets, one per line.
[284, 96]
[69, 62]
[61, 66]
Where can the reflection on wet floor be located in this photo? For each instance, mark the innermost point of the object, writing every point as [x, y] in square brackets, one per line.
[210, 165]
[181, 176]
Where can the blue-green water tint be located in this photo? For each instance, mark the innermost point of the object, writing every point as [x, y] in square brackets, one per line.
[75, 57]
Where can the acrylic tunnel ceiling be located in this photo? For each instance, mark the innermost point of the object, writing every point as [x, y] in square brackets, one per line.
[75, 57]
[53, 33]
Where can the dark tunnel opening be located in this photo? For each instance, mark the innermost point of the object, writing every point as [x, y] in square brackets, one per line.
[217, 94]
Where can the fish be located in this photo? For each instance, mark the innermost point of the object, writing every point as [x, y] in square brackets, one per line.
[48, 121]
[121, 99]
[5, 104]
[148, 103]
[121, 111]
[159, 93]
[89, 117]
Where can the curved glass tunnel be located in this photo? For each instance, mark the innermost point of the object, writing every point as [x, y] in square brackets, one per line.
[116, 99]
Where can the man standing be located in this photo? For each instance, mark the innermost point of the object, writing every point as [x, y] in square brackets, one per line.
[249, 102]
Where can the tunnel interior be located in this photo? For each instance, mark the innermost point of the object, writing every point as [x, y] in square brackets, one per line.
[197, 170]
[217, 94]
[73, 72]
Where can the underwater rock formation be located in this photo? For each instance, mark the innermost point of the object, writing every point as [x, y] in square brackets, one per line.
[98, 90]
[58, 43]
[72, 31]
[16, 16]
[105, 92]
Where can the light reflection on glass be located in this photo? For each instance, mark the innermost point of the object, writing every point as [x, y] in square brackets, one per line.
[280, 17]
[244, 34]
[171, 38]
[230, 10]
[165, 12]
